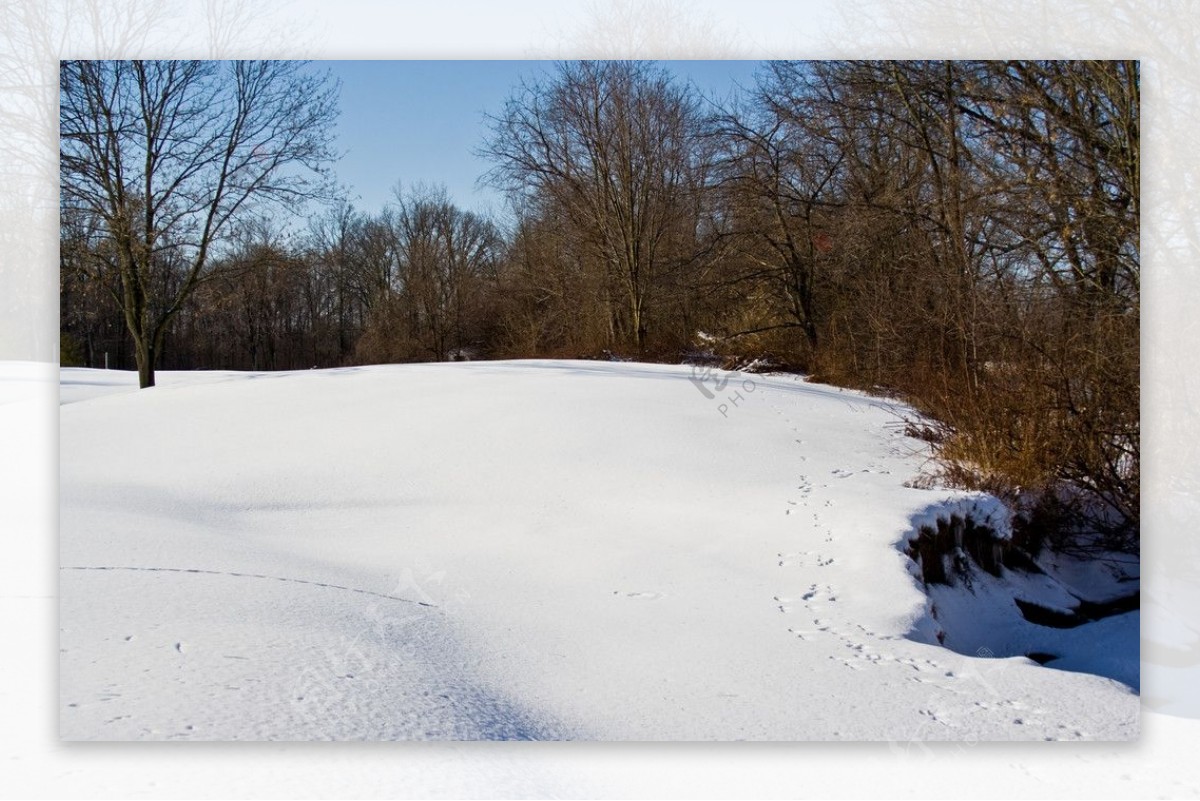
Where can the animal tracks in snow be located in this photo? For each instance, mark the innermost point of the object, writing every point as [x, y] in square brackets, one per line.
[236, 574]
[803, 490]
[639, 596]
[818, 593]
[844, 472]
[804, 559]
[815, 597]
[861, 647]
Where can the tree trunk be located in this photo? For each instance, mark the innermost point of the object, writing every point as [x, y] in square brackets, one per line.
[144, 352]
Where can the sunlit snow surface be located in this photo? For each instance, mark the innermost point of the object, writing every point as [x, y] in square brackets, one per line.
[530, 550]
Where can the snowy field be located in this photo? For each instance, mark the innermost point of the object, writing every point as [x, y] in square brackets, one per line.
[532, 550]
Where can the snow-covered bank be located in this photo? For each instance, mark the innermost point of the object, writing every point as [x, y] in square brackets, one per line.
[611, 551]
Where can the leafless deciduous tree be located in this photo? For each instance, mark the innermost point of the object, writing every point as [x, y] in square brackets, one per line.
[437, 299]
[611, 147]
[169, 156]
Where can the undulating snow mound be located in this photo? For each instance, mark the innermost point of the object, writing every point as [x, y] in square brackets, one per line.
[531, 549]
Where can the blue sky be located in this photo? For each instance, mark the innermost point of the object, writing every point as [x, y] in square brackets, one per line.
[420, 121]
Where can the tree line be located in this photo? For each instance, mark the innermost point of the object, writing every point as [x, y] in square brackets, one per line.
[964, 234]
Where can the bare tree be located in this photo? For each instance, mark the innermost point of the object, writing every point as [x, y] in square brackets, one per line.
[438, 273]
[170, 155]
[335, 238]
[612, 148]
[780, 169]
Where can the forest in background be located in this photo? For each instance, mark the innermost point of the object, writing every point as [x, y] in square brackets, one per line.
[960, 234]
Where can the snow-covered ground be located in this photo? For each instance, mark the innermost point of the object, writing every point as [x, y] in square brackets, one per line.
[531, 550]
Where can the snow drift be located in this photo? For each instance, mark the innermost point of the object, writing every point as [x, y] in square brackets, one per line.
[518, 550]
